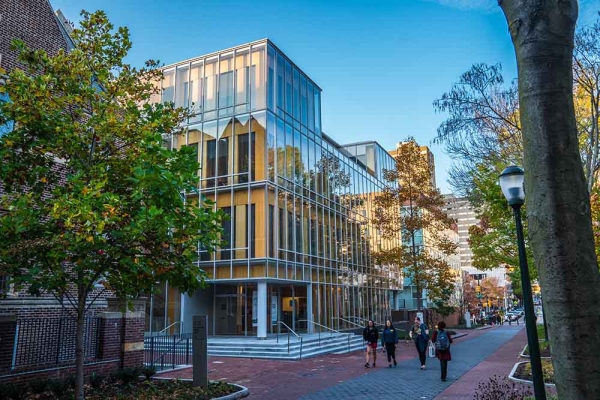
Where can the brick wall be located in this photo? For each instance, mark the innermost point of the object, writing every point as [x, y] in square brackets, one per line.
[32, 21]
[121, 344]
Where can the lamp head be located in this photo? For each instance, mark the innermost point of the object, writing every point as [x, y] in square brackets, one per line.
[511, 183]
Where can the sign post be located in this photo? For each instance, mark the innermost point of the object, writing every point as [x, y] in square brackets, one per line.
[200, 351]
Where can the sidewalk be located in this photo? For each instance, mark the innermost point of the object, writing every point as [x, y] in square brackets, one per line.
[499, 363]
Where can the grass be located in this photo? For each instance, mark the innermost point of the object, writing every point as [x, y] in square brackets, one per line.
[544, 349]
[541, 332]
[524, 371]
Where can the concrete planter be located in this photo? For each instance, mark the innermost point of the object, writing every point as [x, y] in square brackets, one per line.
[523, 355]
[511, 376]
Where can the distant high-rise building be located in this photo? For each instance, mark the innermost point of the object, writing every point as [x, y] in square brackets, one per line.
[426, 153]
[464, 213]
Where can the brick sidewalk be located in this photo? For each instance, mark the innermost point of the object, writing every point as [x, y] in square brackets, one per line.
[499, 363]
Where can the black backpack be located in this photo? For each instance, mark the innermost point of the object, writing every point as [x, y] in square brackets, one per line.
[442, 342]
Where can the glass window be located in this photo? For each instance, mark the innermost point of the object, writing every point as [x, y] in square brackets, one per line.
[196, 79]
[271, 228]
[280, 141]
[257, 127]
[289, 150]
[209, 165]
[227, 236]
[241, 229]
[226, 81]
[296, 98]
[182, 89]
[271, 78]
[288, 87]
[305, 161]
[223, 156]
[257, 73]
[311, 107]
[280, 85]
[317, 112]
[210, 93]
[168, 86]
[242, 149]
[304, 104]
[298, 167]
[271, 147]
[242, 81]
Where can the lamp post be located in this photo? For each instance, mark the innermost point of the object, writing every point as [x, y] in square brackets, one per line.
[511, 183]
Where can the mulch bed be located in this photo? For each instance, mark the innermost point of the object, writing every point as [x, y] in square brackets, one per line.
[524, 371]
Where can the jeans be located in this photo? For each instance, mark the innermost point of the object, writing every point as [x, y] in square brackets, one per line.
[423, 353]
[390, 349]
[444, 366]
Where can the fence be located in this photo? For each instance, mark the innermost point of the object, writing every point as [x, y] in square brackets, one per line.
[168, 351]
[48, 342]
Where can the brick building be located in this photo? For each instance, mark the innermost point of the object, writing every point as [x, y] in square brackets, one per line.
[37, 339]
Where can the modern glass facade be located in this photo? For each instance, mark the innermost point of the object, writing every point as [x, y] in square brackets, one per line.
[299, 238]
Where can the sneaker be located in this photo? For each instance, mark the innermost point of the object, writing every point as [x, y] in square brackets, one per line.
[367, 365]
[373, 365]
[395, 363]
[390, 366]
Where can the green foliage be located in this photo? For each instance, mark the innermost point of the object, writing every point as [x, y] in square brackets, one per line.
[59, 387]
[13, 391]
[149, 372]
[38, 386]
[122, 217]
[96, 380]
[128, 375]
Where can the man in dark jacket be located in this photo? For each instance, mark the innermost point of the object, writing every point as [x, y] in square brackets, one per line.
[371, 336]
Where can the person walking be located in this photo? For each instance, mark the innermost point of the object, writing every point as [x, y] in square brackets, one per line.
[389, 341]
[371, 336]
[419, 333]
[442, 340]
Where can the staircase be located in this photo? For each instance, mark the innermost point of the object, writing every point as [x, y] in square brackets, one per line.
[303, 347]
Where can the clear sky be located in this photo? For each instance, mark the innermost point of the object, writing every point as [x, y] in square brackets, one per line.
[380, 67]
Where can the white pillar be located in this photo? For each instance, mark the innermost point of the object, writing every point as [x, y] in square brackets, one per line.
[309, 313]
[261, 312]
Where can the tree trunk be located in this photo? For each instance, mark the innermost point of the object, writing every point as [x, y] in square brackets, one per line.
[558, 205]
[79, 349]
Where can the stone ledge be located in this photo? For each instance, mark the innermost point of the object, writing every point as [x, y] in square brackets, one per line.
[511, 376]
[137, 346]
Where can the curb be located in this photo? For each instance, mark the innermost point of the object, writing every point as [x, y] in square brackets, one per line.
[482, 328]
[243, 392]
[511, 376]
[523, 355]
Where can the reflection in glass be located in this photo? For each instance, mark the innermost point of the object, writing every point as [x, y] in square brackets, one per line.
[182, 89]
[196, 79]
[209, 165]
[168, 86]
[242, 81]
[257, 75]
[210, 95]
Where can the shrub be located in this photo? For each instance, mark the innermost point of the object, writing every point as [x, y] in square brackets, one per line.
[58, 386]
[499, 388]
[149, 372]
[14, 391]
[128, 375]
[96, 380]
[71, 381]
[38, 386]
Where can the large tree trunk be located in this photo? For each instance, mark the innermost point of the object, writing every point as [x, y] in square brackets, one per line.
[558, 205]
[79, 349]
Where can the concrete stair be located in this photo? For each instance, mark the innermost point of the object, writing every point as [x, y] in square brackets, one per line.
[310, 346]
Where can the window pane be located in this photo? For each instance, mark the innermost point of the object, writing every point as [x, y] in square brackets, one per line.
[304, 111]
[242, 81]
[317, 112]
[257, 74]
[223, 156]
[288, 87]
[209, 166]
[271, 147]
[257, 149]
[280, 84]
[196, 80]
[280, 141]
[311, 107]
[296, 99]
[168, 86]
[182, 88]
[271, 78]
[210, 94]
[242, 150]
[226, 81]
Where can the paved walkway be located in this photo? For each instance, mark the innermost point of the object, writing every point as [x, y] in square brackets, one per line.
[410, 382]
[476, 357]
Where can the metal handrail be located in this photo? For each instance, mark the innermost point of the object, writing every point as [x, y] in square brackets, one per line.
[329, 329]
[290, 330]
[174, 323]
[347, 320]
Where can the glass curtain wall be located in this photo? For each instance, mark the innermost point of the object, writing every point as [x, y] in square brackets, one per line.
[299, 205]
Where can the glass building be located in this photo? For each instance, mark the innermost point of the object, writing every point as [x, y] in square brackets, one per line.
[299, 238]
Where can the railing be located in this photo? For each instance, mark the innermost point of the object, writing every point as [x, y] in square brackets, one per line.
[173, 324]
[348, 321]
[48, 342]
[290, 330]
[329, 329]
[168, 350]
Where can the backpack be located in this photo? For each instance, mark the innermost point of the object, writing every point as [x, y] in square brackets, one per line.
[442, 343]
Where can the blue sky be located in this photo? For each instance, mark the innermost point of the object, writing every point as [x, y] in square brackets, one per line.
[380, 68]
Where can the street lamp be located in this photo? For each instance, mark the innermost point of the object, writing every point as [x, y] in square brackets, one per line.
[511, 183]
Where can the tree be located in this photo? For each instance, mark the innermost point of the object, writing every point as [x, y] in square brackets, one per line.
[558, 200]
[411, 206]
[119, 218]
